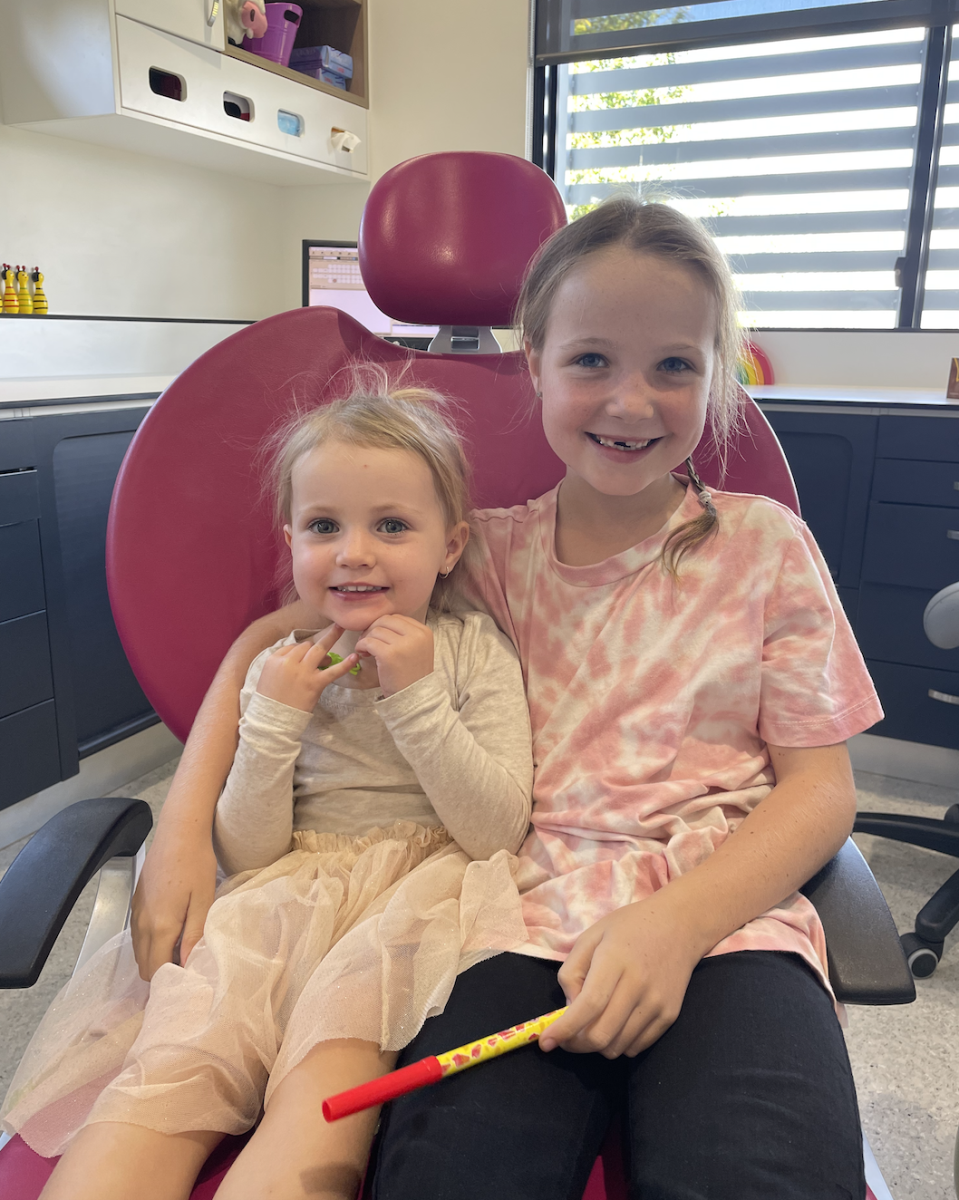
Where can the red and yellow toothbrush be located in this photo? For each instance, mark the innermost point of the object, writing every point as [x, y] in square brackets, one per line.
[436, 1067]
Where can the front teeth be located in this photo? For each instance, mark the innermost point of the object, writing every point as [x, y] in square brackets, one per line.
[361, 588]
[621, 444]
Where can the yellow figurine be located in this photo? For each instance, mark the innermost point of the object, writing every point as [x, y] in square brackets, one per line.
[24, 299]
[39, 296]
[10, 304]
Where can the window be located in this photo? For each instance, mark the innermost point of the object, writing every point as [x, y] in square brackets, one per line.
[820, 145]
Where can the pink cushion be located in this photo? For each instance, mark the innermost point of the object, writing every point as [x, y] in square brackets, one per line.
[445, 238]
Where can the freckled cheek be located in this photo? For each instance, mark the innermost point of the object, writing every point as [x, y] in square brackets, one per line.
[564, 419]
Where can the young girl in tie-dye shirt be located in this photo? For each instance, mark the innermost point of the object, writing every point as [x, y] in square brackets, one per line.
[692, 681]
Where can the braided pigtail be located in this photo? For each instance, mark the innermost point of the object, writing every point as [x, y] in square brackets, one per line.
[690, 535]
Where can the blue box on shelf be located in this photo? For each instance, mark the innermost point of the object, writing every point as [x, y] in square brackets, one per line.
[311, 60]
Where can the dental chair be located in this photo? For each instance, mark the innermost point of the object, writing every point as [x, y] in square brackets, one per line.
[193, 554]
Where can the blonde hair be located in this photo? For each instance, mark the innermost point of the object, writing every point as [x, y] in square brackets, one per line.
[654, 228]
[372, 415]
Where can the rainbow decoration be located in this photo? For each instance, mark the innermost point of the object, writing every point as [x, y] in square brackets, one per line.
[754, 368]
[436, 1067]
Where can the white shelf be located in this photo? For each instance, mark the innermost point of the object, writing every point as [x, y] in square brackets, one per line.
[78, 69]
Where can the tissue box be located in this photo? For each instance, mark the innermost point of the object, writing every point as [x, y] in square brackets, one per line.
[332, 78]
[311, 59]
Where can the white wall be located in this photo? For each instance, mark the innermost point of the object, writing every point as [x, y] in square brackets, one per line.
[124, 234]
[447, 76]
[837, 358]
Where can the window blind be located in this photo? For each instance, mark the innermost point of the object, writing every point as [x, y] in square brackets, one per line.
[799, 155]
[567, 30]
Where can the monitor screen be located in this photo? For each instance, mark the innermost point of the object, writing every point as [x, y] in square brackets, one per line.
[331, 276]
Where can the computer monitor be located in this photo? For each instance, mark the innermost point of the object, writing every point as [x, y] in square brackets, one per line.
[331, 276]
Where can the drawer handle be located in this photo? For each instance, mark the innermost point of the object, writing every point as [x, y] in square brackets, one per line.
[215, 12]
[955, 485]
[944, 697]
[953, 535]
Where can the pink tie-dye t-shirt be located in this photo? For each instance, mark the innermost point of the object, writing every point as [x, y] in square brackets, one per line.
[652, 702]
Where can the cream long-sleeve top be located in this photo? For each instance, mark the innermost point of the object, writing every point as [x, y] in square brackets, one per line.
[452, 749]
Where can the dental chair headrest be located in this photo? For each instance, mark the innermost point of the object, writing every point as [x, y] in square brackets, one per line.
[445, 238]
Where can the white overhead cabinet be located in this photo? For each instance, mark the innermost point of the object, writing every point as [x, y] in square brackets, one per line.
[196, 20]
[103, 71]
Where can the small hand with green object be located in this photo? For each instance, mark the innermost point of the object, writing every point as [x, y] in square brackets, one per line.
[296, 674]
[338, 658]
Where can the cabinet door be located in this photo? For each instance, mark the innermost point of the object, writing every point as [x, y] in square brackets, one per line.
[889, 627]
[912, 545]
[831, 457]
[189, 19]
[98, 698]
[921, 705]
[107, 693]
[933, 437]
[29, 752]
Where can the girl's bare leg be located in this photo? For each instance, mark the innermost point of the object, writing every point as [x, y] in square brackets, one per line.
[295, 1154]
[113, 1161]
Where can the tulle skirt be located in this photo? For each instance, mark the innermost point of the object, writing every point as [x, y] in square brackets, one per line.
[344, 937]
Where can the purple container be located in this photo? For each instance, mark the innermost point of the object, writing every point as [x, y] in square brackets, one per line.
[283, 20]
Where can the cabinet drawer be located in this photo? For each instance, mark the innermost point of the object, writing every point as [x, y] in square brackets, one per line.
[889, 627]
[21, 570]
[899, 482]
[16, 444]
[19, 499]
[29, 752]
[25, 677]
[185, 18]
[911, 546]
[207, 75]
[911, 712]
[932, 438]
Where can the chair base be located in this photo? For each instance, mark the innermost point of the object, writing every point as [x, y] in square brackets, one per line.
[940, 914]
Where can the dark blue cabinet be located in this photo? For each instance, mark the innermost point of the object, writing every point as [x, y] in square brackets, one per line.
[881, 495]
[66, 689]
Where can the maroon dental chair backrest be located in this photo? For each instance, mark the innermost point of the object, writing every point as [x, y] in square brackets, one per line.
[192, 552]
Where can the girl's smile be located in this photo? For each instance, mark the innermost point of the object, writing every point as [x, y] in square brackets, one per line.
[367, 533]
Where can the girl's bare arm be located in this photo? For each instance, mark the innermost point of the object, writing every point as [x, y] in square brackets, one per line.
[177, 883]
[626, 976]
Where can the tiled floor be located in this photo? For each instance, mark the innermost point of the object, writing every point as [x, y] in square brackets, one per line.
[906, 1059]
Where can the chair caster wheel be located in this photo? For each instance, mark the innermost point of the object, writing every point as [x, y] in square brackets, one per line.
[922, 957]
[952, 815]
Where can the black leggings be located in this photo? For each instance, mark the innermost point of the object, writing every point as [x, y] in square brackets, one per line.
[749, 1096]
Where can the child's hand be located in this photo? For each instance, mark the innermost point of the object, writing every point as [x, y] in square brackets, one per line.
[403, 649]
[295, 675]
[625, 980]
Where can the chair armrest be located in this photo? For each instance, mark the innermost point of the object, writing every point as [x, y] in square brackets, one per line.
[42, 884]
[866, 961]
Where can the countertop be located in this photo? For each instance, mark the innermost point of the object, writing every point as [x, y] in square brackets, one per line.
[855, 397]
[19, 397]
